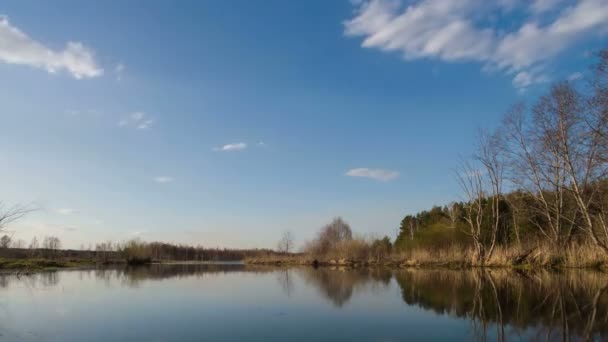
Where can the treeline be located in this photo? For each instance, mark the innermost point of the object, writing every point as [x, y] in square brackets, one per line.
[132, 251]
[541, 178]
[135, 251]
[333, 244]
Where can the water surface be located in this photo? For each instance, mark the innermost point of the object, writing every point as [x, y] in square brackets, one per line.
[234, 302]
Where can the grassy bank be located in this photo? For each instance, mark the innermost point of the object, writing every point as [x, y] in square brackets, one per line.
[37, 264]
[540, 256]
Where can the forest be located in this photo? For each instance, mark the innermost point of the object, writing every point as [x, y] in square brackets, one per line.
[536, 186]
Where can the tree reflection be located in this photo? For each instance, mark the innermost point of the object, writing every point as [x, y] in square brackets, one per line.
[540, 305]
[285, 280]
[338, 285]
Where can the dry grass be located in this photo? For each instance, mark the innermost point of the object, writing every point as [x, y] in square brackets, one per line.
[359, 252]
[351, 250]
[542, 255]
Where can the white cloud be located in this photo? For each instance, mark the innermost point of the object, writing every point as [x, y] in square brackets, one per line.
[377, 174]
[138, 120]
[524, 79]
[453, 30]
[70, 228]
[16, 47]
[66, 211]
[163, 179]
[539, 6]
[575, 76]
[145, 124]
[119, 70]
[232, 147]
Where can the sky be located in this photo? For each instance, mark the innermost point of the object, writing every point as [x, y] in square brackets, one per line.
[227, 123]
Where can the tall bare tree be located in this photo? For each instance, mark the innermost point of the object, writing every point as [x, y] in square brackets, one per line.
[11, 214]
[490, 156]
[482, 184]
[286, 243]
[537, 168]
[454, 212]
[472, 185]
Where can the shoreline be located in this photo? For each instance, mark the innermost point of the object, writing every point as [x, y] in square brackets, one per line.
[404, 264]
[25, 266]
[32, 265]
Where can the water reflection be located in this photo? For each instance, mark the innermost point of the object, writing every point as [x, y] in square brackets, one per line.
[34, 280]
[286, 281]
[338, 285]
[570, 305]
[493, 304]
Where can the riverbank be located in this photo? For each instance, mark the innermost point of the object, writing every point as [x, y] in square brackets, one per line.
[541, 256]
[25, 265]
[39, 264]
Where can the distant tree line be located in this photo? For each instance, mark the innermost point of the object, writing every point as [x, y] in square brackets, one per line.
[133, 251]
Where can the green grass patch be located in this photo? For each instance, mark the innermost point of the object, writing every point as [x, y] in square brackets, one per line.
[40, 264]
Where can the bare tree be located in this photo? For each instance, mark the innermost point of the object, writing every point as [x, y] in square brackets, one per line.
[33, 247]
[5, 241]
[286, 243]
[490, 155]
[330, 236]
[454, 213]
[11, 214]
[482, 185]
[18, 244]
[472, 185]
[537, 167]
[52, 244]
[34, 243]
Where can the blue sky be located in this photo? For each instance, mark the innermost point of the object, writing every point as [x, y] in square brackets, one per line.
[225, 123]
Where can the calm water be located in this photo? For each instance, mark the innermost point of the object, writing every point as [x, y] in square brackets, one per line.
[244, 303]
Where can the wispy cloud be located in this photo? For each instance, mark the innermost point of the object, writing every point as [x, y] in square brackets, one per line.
[231, 147]
[575, 76]
[119, 70]
[524, 79]
[16, 47]
[163, 179]
[69, 228]
[376, 174]
[456, 31]
[66, 211]
[539, 6]
[138, 120]
[83, 112]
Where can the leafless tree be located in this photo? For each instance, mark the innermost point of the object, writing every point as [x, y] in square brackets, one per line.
[52, 244]
[330, 236]
[33, 247]
[5, 241]
[453, 213]
[490, 156]
[471, 182]
[413, 227]
[18, 244]
[286, 243]
[11, 214]
[34, 243]
[537, 167]
[482, 183]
